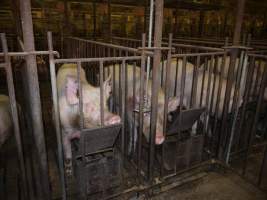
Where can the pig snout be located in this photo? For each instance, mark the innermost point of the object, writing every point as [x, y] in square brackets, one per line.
[159, 138]
[113, 120]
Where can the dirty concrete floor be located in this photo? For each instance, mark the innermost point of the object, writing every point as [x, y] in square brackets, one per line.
[214, 186]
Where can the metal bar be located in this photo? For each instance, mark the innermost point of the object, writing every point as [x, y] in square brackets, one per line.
[230, 79]
[34, 98]
[246, 95]
[15, 117]
[141, 107]
[123, 103]
[166, 90]
[114, 46]
[195, 82]
[256, 117]
[56, 114]
[239, 21]
[101, 73]
[80, 89]
[198, 54]
[221, 79]
[26, 53]
[236, 107]
[159, 5]
[263, 166]
[75, 60]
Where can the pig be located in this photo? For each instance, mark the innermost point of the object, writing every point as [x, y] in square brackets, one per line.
[172, 104]
[219, 71]
[67, 86]
[188, 87]
[6, 124]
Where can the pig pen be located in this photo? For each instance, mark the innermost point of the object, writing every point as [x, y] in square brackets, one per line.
[181, 158]
[198, 56]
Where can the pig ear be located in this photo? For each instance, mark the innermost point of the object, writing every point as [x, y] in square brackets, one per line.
[108, 86]
[72, 90]
[173, 104]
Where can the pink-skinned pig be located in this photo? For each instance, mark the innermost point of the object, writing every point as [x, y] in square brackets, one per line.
[6, 124]
[133, 116]
[68, 97]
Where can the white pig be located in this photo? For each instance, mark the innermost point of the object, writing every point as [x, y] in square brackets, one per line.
[172, 104]
[67, 85]
[6, 124]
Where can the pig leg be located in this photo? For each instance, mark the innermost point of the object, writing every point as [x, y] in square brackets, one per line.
[67, 149]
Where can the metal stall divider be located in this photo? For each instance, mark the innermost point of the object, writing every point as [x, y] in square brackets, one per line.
[88, 142]
[7, 65]
[15, 117]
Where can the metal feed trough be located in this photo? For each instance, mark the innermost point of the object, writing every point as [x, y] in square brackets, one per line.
[96, 162]
[187, 120]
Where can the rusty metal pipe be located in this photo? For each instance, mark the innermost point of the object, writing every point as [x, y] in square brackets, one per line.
[56, 114]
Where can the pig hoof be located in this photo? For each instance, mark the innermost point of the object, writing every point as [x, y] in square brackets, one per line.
[68, 167]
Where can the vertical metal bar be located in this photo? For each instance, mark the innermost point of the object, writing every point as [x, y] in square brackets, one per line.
[195, 82]
[34, 97]
[263, 166]
[240, 72]
[176, 89]
[123, 102]
[141, 106]
[230, 80]
[56, 114]
[218, 101]
[14, 113]
[114, 87]
[109, 21]
[239, 21]
[101, 72]
[159, 4]
[207, 103]
[150, 32]
[246, 95]
[166, 100]
[256, 118]
[80, 89]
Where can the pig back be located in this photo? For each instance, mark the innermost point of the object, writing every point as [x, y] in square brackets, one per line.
[5, 119]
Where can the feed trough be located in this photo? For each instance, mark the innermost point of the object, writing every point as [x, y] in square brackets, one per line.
[96, 162]
[188, 118]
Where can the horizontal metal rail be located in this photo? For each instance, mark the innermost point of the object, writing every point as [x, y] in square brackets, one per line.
[114, 46]
[30, 53]
[105, 59]
[198, 54]
[257, 55]
[175, 44]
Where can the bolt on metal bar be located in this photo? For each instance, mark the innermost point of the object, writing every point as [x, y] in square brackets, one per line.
[15, 116]
[56, 114]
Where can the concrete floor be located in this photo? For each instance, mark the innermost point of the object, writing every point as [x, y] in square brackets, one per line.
[215, 186]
